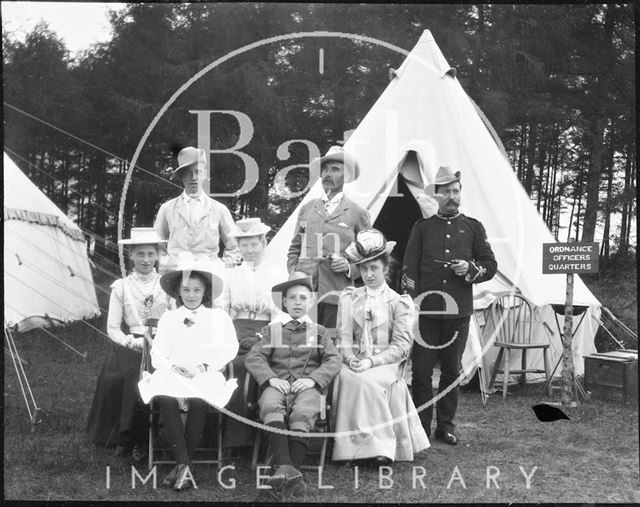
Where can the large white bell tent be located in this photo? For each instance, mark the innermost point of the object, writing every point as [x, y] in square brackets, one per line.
[47, 277]
[424, 120]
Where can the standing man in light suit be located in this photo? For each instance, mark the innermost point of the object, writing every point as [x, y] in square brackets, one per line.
[193, 221]
[324, 229]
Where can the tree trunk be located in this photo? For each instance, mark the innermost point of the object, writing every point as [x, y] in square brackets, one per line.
[573, 207]
[579, 196]
[542, 182]
[626, 205]
[597, 129]
[596, 160]
[632, 201]
[100, 177]
[523, 140]
[553, 164]
[604, 252]
[528, 179]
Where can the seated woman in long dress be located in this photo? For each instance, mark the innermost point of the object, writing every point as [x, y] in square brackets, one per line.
[247, 298]
[192, 346]
[374, 408]
[117, 416]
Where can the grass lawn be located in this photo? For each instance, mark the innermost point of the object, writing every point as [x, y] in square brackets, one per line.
[592, 458]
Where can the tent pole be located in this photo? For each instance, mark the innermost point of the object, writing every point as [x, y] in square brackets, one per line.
[388, 181]
[22, 378]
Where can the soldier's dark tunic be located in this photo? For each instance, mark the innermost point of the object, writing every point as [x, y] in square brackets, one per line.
[433, 242]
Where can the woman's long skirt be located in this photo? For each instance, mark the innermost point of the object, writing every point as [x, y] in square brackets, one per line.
[237, 433]
[117, 415]
[375, 412]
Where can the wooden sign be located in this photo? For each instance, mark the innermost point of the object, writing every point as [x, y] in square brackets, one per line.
[570, 258]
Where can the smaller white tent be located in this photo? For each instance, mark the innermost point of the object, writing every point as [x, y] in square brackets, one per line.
[47, 277]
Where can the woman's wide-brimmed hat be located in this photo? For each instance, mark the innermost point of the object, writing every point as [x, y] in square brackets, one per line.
[251, 227]
[444, 176]
[143, 236]
[187, 265]
[296, 278]
[368, 245]
[186, 158]
[338, 154]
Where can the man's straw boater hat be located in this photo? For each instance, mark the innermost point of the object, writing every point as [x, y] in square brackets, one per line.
[143, 236]
[248, 227]
[186, 158]
[187, 265]
[368, 245]
[337, 154]
[444, 176]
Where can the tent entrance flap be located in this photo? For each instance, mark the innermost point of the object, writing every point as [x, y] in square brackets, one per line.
[399, 212]
[397, 216]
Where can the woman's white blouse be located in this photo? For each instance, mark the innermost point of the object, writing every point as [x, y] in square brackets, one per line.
[127, 304]
[248, 289]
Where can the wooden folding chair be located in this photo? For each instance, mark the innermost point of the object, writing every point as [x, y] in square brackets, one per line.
[322, 425]
[515, 334]
[155, 418]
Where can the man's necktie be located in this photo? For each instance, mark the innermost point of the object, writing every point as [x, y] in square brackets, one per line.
[295, 324]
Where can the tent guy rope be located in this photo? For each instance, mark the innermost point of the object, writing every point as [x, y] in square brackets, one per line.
[165, 180]
[30, 401]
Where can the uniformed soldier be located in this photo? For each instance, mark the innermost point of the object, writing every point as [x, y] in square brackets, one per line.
[193, 221]
[445, 255]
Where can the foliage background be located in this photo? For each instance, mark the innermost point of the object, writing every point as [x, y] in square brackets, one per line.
[556, 81]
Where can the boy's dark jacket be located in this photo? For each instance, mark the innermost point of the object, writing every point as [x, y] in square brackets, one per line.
[289, 353]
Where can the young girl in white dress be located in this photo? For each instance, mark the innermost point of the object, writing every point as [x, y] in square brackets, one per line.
[193, 344]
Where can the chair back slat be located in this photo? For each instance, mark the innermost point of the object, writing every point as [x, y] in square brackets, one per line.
[518, 319]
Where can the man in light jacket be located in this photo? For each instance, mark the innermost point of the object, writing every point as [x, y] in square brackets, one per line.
[193, 221]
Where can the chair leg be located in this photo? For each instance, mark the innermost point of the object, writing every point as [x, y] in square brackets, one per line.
[523, 379]
[496, 366]
[151, 438]
[219, 439]
[545, 355]
[505, 373]
[323, 452]
[150, 449]
[256, 450]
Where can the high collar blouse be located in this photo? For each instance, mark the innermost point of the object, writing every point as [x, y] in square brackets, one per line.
[134, 299]
[248, 289]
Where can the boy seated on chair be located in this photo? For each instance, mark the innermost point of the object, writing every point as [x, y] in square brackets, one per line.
[293, 362]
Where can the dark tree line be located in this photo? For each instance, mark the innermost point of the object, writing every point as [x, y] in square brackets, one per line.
[556, 82]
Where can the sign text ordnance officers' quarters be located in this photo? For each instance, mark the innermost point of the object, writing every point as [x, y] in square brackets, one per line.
[570, 258]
